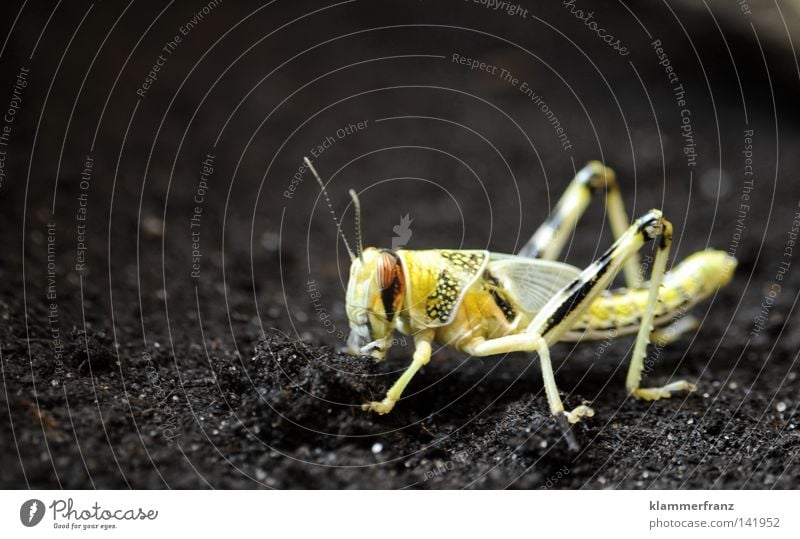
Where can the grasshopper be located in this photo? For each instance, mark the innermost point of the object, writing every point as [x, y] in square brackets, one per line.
[484, 303]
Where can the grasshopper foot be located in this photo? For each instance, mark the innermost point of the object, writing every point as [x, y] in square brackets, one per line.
[575, 415]
[381, 407]
[567, 419]
[663, 392]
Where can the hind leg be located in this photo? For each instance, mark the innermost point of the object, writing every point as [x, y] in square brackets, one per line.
[593, 179]
[559, 314]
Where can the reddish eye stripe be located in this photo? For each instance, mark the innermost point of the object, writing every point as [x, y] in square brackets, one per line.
[387, 268]
[389, 275]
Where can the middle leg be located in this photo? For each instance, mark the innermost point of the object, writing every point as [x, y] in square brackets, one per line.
[531, 342]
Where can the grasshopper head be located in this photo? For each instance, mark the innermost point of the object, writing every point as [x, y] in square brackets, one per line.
[374, 298]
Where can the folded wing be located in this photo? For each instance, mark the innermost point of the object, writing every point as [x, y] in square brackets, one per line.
[530, 282]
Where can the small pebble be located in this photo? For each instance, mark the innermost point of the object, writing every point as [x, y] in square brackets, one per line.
[270, 241]
[781, 406]
[153, 226]
[377, 447]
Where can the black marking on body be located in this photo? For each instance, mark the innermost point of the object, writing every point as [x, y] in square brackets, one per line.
[388, 296]
[553, 222]
[492, 285]
[578, 290]
[369, 327]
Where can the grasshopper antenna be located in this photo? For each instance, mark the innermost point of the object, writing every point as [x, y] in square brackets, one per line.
[333, 213]
[357, 204]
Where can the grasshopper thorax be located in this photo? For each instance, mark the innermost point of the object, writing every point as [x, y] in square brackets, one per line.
[374, 299]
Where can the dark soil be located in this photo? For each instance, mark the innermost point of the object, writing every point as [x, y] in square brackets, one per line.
[133, 372]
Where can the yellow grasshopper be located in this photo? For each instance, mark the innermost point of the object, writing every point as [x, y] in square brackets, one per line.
[485, 303]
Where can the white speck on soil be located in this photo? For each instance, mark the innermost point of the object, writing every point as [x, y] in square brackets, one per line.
[377, 447]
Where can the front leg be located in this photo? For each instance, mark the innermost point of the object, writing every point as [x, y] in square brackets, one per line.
[422, 355]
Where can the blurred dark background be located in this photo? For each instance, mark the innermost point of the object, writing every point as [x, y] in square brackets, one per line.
[470, 157]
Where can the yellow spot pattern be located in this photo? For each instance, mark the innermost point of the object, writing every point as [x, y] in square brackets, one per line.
[459, 269]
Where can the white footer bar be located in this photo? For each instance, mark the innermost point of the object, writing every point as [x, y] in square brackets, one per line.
[400, 514]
